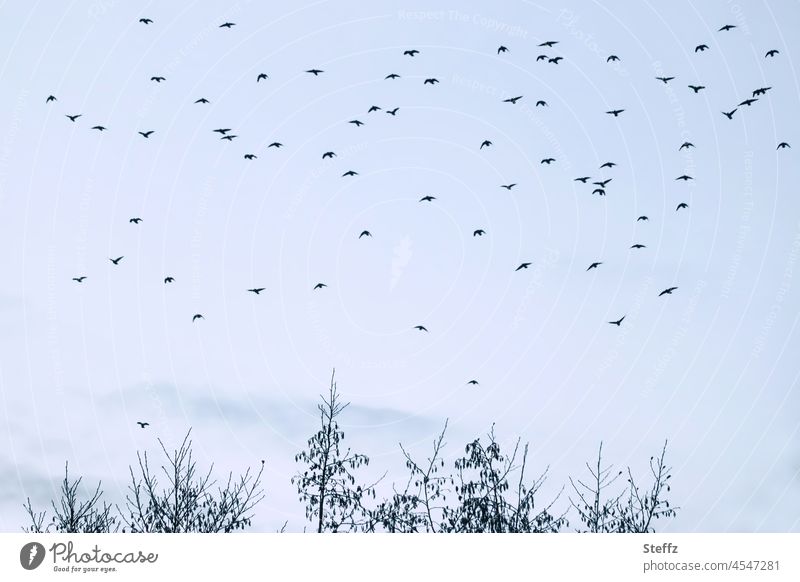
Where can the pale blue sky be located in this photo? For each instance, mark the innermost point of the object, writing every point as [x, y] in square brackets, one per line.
[711, 368]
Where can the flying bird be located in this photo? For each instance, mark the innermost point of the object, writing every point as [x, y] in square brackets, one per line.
[665, 80]
[761, 91]
[685, 178]
[197, 316]
[748, 102]
[202, 100]
[328, 155]
[729, 114]
[319, 286]
[79, 279]
[549, 43]
[72, 118]
[687, 145]
[642, 218]
[541, 103]
[612, 58]
[599, 191]
[512, 99]
[727, 27]
[411, 53]
[261, 76]
[772, 53]
[147, 134]
[638, 246]
[602, 183]
[421, 327]
[392, 111]
[227, 25]
[356, 122]
[701, 48]
[508, 186]
[502, 49]
[250, 156]
[99, 128]
[548, 161]
[594, 266]
[782, 146]
[145, 21]
[169, 280]
[116, 261]
[223, 130]
[50, 98]
[667, 291]
[523, 266]
[158, 79]
[582, 179]
[696, 88]
[555, 60]
[256, 290]
[430, 81]
[392, 76]
[618, 322]
[608, 165]
[542, 58]
[142, 424]
[681, 205]
[229, 137]
[350, 173]
[275, 144]
[485, 143]
[373, 108]
[365, 233]
[315, 72]
[427, 199]
[615, 112]
[135, 220]
[479, 232]
[473, 382]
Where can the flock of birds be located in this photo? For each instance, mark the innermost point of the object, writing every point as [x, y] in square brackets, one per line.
[600, 185]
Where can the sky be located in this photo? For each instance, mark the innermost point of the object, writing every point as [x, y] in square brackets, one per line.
[710, 369]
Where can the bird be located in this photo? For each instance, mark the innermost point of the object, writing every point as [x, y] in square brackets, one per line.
[328, 155]
[478, 232]
[599, 191]
[502, 49]
[261, 76]
[582, 179]
[685, 178]
[250, 156]
[79, 279]
[392, 111]
[782, 146]
[549, 43]
[542, 58]
[642, 218]
[427, 199]
[541, 103]
[686, 145]
[665, 80]
[116, 261]
[555, 60]
[365, 233]
[612, 58]
[72, 118]
[608, 165]
[256, 290]
[147, 134]
[615, 112]
[473, 382]
[421, 327]
[727, 27]
[319, 286]
[50, 99]
[618, 322]
[275, 144]
[548, 161]
[197, 316]
[761, 91]
[135, 220]
[485, 144]
[772, 53]
[142, 424]
[145, 21]
[350, 173]
[392, 76]
[223, 130]
[356, 122]
[430, 81]
[638, 246]
[696, 88]
[508, 186]
[729, 114]
[748, 102]
[100, 128]
[700, 48]
[373, 108]
[202, 100]
[512, 99]
[158, 79]
[229, 137]
[681, 205]
[315, 72]
[227, 25]
[594, 266]
[667, 291]
[169, 280]
[523, 266]
[411, 52]
[602, 183]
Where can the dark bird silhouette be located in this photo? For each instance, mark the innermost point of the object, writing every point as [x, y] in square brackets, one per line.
[392, 111]
[421, 327]
[356, 122]
[227, 25]
[256, 290]
[523, 266]
[275, 144]
[430, 81]
[665, 80]
[223, 131]
[608, 165]
[685, 178]
[555, 60]
[542, 58]
[365, 233]
[158, 79]
[548, 161]
[72, 118]
[373, 108]
[392, 76]
[479, 232]
[229, 137]
[594, 266]
[50, 99]
[202, 100]
[147, 134]
[145, 21]
[549, 43]
[169, 280]
[667, 291]
[350, 173]
[79, 279]
[618, 322]
[729, 114]
[99, 128]
[117, 260]
[700, 48]
[502, 49]
[261, 76]
[638, 246]
[427, 199]
[250, 156]
[328, 155]
[681, 205]
[582, 179]
[615, 112]
[411, 53]
[512, 99]
[319, 286]
[727, 27]
[135, 220]
[696, 88]
[761, 91]
[485, 143]
[599, 191]
[508, 186]
[748, 102]
[541, 103]
[782, 146]
[473, 382]
[197, 316]
[642, 218]
[315, 72]
[687, 145]
[142, 424]
[612, 58]
[772, 53]
[603, 183]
